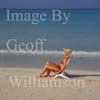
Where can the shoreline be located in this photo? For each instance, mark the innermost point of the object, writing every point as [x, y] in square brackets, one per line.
[37, 70]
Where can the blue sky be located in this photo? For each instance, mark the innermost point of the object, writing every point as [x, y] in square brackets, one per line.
[49, 3]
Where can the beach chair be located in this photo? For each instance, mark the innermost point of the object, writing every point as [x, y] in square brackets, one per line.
[63, 74]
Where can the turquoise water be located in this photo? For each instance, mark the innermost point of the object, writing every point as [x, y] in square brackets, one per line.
[80, 33]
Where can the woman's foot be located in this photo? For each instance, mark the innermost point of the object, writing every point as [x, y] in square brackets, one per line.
[38, 76]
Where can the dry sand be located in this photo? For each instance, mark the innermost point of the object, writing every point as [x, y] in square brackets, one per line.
[90, 90]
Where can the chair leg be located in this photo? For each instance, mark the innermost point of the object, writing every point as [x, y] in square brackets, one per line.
[56, 76]
[61, 75]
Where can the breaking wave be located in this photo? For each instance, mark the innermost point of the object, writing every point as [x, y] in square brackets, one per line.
[53, 52]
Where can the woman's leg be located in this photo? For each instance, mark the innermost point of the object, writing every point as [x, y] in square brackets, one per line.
[48, 68]
[43, 70]
[51, 64]
[48, 73]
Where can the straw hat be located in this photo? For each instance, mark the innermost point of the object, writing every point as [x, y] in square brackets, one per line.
[67, 50]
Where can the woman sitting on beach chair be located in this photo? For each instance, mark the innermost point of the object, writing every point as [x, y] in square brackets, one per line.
[57, 69]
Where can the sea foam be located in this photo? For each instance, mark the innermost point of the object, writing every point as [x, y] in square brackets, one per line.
[79, 53]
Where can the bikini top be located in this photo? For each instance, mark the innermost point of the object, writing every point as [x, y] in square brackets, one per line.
[61, 61]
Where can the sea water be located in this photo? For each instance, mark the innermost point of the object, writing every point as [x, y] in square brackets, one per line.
[81, 34]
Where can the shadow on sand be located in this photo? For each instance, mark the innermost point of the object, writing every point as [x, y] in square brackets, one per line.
[77, 76]
[71, 75]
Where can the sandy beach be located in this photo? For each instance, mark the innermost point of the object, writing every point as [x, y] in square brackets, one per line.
[79, 87]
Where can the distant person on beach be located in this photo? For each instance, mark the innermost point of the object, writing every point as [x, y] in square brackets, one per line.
[57, 69]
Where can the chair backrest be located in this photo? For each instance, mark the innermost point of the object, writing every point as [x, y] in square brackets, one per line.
[66, 65]
[68, 61]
